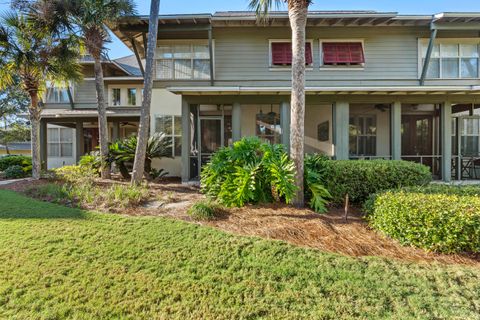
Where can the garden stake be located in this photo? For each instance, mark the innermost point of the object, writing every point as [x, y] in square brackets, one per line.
[346, 207]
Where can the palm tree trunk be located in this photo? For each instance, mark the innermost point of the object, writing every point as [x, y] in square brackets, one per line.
[143, 129]
[35, 111]
[102, 117]
[297, 12]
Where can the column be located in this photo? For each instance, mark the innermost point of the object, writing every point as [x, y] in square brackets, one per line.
[340, 130]
[79, 143]
[43, 144]
[116, 130]
[446, 140]
[185, 140]
[396, 130]
[285, 123]
[236, 121]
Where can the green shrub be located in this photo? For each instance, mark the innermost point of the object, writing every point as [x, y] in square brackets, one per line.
[91, 161]
[204, 210]
[437, 218]
[8, 161]
[249, 172]
[362, 178]
[14, 172]
[76, 173]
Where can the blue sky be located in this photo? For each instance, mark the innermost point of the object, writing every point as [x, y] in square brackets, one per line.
[117, 49]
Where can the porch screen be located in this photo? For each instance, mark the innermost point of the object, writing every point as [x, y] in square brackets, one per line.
[282, 53]
[342, 53]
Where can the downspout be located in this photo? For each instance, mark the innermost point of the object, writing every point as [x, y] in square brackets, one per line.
[431, 43]
[210, 52]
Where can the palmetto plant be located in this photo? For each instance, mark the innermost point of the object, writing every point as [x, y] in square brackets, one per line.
[297, 12]
[122, 152]
[92, 18]
[36, 51]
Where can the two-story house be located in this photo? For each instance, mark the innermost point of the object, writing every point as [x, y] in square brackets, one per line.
[379, 85]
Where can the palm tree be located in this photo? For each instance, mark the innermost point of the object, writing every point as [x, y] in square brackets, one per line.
[36, 52]
[297, 13]
[92, 18]
[143, 129]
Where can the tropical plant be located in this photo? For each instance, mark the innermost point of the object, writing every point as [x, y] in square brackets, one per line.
[297, 13]
[315, 191]
[36, 52]
[249, 172]
[143, 128]
[92, 18]
[122, 152]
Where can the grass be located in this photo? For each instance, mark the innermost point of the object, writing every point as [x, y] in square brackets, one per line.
[64, 263]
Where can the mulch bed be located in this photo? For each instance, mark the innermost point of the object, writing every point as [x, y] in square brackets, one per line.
[302, 227]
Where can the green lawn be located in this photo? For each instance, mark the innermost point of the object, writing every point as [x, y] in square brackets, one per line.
[58, 263]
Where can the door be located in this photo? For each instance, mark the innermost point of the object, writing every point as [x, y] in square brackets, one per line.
[210, 137]
[417, 135]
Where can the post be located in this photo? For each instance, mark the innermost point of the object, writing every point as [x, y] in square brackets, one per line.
[236, 122]
[285, 123]
[79, 143]
[446, 140]
[116, 130]
[396, 130]
[186, 133]
[43, 144]
[340, 130]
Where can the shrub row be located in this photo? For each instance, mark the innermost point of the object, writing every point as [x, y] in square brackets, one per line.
[362, 178]
[437, 218]
[15, 166]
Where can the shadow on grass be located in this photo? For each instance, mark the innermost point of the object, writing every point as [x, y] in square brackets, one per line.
[17, 206]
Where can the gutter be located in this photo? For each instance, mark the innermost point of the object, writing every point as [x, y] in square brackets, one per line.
[428, 56]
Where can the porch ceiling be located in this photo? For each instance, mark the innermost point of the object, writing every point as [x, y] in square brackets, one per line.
[404, 90]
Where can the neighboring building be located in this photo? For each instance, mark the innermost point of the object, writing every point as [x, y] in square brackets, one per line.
[379, 85]
[17, 148]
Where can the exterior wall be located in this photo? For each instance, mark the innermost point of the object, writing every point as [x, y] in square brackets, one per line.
[166, 103]
[16, 152]
[314, 116]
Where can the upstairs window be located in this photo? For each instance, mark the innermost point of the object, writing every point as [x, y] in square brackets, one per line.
[183, 62]
[281, 54]
[452, 61]
[116, 97]
[132, 96]
[56, 94]
[342, 54]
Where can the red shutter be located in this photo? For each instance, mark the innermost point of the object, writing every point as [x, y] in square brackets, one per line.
[343, 53]
[282, 53]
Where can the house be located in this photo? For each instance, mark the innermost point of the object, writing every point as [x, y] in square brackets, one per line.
[378, 85]
[16, 148]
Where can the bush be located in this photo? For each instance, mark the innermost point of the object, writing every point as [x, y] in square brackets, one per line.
[14, 172]
[91, 161]
[249, 172]
[361, 178]
[204, 210]
[437, 218]
[8, 161]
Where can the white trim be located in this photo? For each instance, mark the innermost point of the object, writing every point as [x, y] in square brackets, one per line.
[115, 78]
[360, 67]
[271, 67]
[124, 94]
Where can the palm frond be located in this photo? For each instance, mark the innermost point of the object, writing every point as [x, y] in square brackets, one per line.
[263, 7]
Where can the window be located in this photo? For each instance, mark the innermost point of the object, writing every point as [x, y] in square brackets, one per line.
[268, 127]
[363, 135]
[132, 96]
[57, 95]
[281, 53]
[452, 61]
[171, 126]
[183, 62]
[342, 53]
[60, 142]
[116, 97]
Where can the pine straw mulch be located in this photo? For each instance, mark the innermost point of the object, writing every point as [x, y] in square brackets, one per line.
[302, 227]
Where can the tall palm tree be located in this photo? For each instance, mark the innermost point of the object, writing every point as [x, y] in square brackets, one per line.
[36, 52]
[297, 13]
[92, 18]
[143, 129]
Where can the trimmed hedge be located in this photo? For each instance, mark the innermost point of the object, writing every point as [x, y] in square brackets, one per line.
[362, 178]
[14, 172]
[8, 161]
[437, 218]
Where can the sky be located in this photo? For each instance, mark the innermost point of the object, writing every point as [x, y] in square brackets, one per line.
[117, 49]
